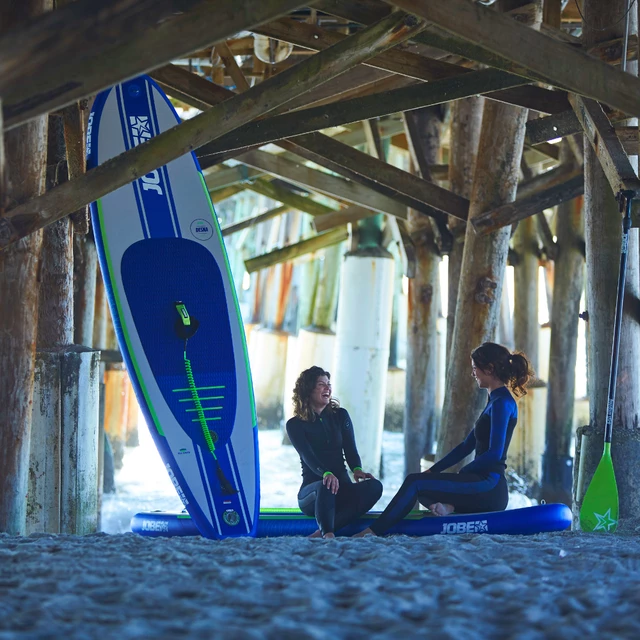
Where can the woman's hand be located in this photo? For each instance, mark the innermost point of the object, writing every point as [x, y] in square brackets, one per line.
[331, 482]
[359, 475]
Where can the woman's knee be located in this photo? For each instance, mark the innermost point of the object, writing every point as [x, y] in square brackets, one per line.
[375, 488]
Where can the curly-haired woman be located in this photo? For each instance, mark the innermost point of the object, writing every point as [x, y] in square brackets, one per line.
[480, 485]
[322, 433]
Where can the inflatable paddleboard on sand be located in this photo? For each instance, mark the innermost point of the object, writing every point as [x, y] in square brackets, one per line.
[176, 315]
[291, 522]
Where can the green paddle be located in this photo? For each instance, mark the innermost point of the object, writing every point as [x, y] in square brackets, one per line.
[599, 511]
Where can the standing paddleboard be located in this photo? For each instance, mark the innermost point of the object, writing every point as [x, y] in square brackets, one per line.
[176, 315]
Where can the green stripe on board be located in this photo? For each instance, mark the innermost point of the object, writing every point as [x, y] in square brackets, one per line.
[205, 408]
[199, 389]
[245, 352]
[207, 398]
[206, 419]
[127, 339]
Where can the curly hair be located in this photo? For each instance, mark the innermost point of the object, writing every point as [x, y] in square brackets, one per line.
[305, 384]
[513, 369]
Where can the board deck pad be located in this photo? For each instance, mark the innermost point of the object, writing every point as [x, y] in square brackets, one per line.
[176, 315]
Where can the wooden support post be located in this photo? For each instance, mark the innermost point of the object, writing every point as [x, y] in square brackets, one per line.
[466, 124]
[603, 231]
[94, 44]
[297, 250]
[424, 127]
[194, 133]
[230, 64]
[568, 284]
[483, 264]
[530, 52]
[25, 163]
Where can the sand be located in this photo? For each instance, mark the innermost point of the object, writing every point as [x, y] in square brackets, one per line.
[553, 585]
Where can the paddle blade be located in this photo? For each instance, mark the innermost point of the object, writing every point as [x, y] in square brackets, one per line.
[599, 511]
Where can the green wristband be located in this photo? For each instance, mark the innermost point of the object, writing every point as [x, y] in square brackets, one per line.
[327, 473]
[357, 469]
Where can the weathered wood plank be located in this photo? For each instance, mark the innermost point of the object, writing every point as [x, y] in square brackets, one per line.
[532, 52]
[317, 118]
[560, 125]
[522, 208]
[228, 176]
[380, 176]
[89, 45]
[340, 218]
[221, 119]
[251, 222]
[289, 198]
[330, 185]
[606, 144]
[297, 250]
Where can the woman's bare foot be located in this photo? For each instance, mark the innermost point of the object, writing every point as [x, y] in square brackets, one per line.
[441, 509]
[362, 534]
[316, 534]
[329, 535]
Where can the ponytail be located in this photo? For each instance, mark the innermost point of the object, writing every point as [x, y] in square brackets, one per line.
[513, 369]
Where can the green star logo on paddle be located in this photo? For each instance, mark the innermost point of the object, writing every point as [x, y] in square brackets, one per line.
[605, 521]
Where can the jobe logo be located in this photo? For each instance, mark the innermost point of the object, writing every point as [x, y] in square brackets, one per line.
[176, 484]
[89, 130]
[155, 525]
[141, 132]
[474, 526]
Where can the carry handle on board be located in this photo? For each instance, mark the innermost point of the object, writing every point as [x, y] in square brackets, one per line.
[186, 327]
[599, 510]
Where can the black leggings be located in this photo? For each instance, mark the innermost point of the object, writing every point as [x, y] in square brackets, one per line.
[336, 511]
[467, 492]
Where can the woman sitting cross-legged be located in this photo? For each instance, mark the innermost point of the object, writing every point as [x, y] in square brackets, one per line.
[323, 435]
[480, 485]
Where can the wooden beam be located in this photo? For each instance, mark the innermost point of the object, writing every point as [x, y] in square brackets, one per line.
[396, 61]
[546, 237]
[231, 66]
[297, 250]
[522, 208]
[218, 195]
[560, 125]
[531, 52]
[380, 176]
[228, 176]
[317, 118]
[340, 218]
[325, 183]
[89, 45]
[289, 198]
[410, 64]
[251, 222]
[536, 98]
[223, 118]
[606, 144]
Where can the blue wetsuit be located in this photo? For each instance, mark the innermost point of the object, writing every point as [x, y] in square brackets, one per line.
[323, 446]
[480, 485]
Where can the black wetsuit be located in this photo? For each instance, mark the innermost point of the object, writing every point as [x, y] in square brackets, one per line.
[323, 446]
[479, 486]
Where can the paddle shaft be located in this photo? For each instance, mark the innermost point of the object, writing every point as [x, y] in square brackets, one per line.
[615, 351]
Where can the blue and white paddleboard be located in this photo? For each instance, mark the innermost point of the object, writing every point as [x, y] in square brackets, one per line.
[176, 315]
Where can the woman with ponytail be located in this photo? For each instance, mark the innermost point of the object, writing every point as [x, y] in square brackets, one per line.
[480, 486]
